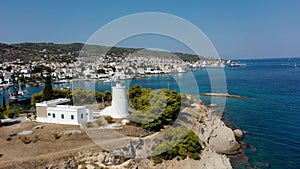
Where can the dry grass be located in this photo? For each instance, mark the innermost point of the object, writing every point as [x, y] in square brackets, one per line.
[40, 142]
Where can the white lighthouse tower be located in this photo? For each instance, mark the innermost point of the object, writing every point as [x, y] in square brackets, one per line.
[119, 100]
[119, 107]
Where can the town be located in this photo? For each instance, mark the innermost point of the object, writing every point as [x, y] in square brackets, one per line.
[104, 65]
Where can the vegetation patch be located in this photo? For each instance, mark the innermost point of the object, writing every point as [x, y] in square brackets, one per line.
[36, 138]
[89, 124]
[55, 136]
[109, 119]
[12, 134]
[99, 122]
[80, 96]
[180, 143]
[154, 108]
[26, 140]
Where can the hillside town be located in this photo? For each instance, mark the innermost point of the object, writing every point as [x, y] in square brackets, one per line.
[103, 67]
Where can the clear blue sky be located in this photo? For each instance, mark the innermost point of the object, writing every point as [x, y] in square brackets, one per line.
[237, 28]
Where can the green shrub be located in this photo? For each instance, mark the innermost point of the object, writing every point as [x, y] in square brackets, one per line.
[36, 138]
[11, 114]
[55, 136]
[109, 119]
[187, 146]
[89, 124]
[1, 116]
[12, 134]
[157, 159]
[1, 109]
[8, 138]
[26, 140]
[99, 122]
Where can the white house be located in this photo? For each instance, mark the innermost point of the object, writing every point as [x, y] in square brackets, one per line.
[53, 112]
[119, 107]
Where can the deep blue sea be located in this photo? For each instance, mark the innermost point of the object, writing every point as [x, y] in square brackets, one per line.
[270, 113]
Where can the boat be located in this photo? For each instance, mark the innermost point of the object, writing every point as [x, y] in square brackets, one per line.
[237, 64]
[35, 85]
[19, 97]
[107, 81]
[10, 84]
[60, 81]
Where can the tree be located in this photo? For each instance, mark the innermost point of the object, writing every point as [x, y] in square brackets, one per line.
[36, 98]
[107, 96]
[64, 93]
[83, 97]
[1, 115]
[9, 68]
[101, 71]
[155, 108]
[57, 93]
[48, 91]
[3, 102]
[99, 96]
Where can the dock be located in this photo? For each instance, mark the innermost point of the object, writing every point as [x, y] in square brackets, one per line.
[222, 95]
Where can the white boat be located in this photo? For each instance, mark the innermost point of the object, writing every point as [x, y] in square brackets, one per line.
[107, 81]
[60, 81]
[10, 84]
[237, 64]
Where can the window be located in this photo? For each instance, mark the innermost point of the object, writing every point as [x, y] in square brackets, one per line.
[81, 116]
[72, 117]
[62, 116]
[49, 114]
[53, 115]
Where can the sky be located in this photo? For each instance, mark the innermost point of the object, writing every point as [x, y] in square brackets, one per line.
[237, 28]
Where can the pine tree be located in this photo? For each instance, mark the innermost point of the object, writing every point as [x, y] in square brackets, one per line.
[48, 91]
[3, 103]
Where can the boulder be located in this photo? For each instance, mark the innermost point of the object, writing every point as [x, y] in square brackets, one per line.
[222, 139]
[238, 133]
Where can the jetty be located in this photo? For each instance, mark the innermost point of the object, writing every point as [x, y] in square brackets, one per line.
[222, 95]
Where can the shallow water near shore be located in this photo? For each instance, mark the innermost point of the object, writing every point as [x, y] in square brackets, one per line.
[270, 113]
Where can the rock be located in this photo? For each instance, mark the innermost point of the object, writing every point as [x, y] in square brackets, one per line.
[25, 132]
[38, 127]
[219, 137]
[67, 132]
[262, 164]
[125, 122]
[238, 133]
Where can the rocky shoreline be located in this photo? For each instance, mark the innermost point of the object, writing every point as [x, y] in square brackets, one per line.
[219, 143]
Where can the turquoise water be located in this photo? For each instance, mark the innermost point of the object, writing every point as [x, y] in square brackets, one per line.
[270, 114]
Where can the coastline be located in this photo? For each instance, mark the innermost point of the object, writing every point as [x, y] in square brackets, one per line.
[219, 143]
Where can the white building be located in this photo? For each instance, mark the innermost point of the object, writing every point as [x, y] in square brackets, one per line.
[53, 112]
[119, 107]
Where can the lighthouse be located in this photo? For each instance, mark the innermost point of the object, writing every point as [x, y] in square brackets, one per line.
[119, 100]
[119, 107]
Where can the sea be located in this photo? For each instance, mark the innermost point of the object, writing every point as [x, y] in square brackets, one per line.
[269, 114]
